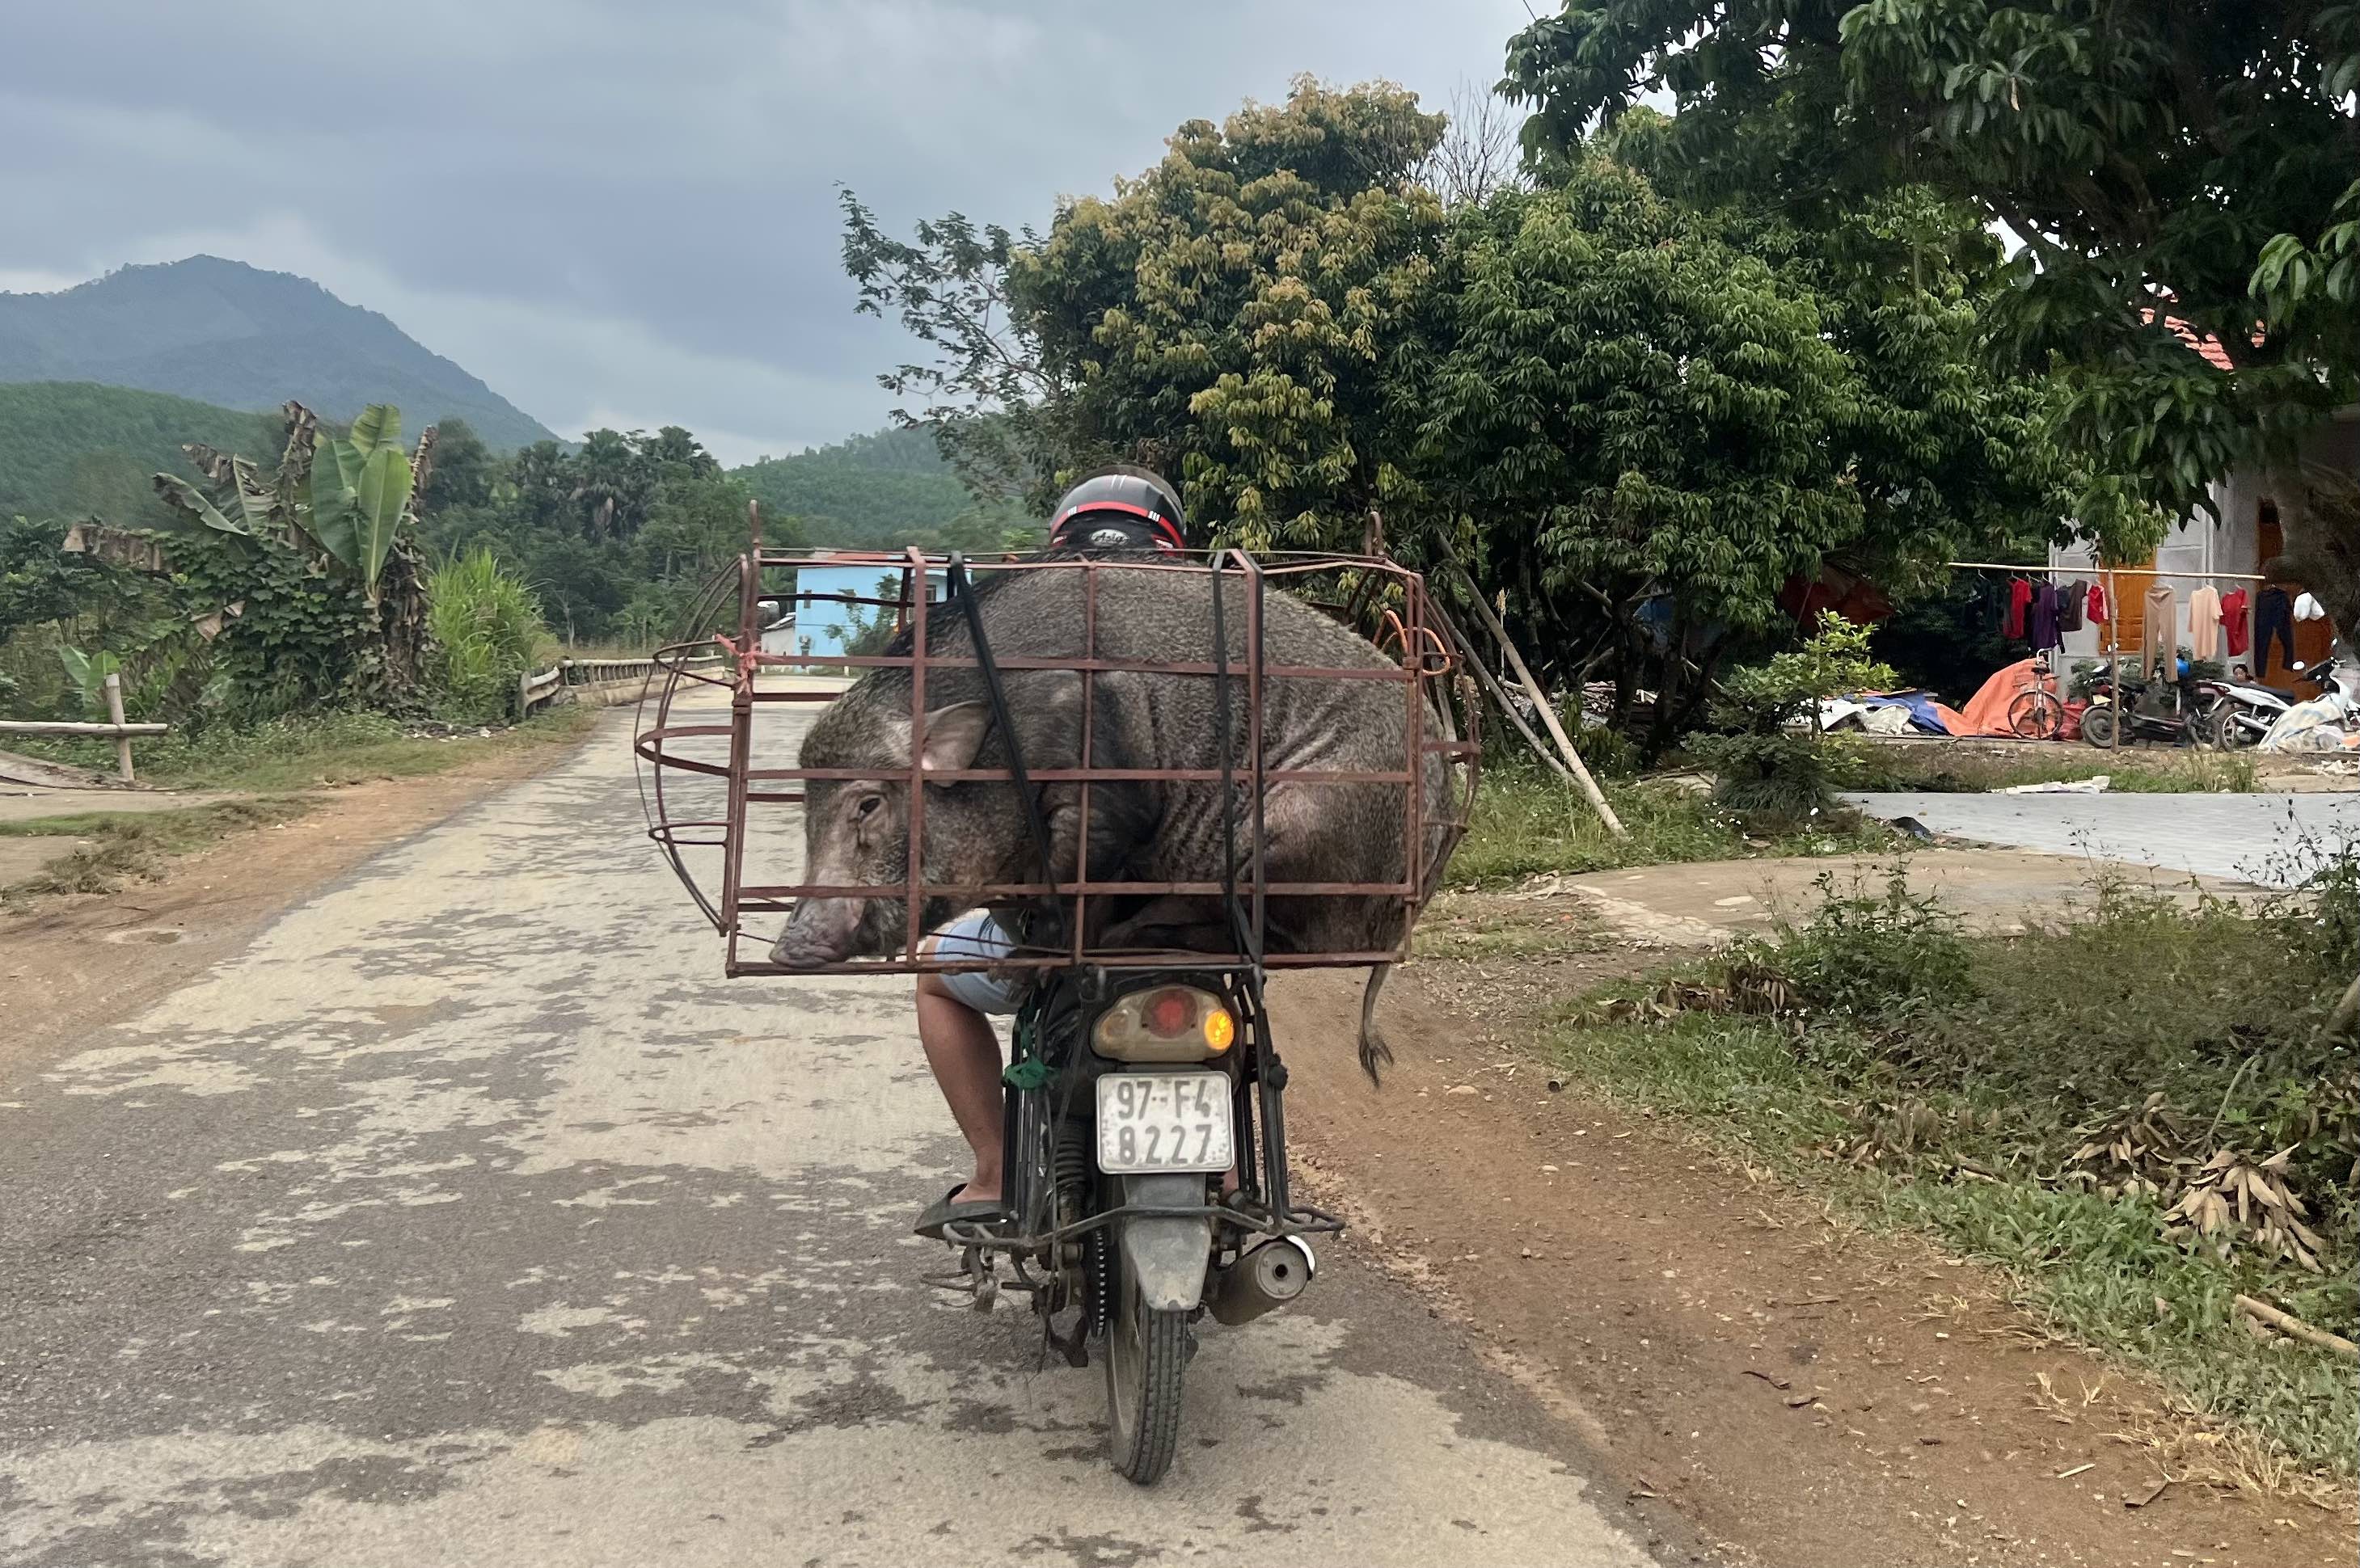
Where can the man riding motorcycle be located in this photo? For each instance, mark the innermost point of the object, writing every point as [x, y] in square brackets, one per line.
[1119, 509]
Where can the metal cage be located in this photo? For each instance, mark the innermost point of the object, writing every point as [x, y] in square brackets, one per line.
[709, 790]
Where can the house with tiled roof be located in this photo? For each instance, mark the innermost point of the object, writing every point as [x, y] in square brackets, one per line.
[2240, 538]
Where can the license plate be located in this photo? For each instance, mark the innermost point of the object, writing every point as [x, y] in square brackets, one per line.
[1164, 1121]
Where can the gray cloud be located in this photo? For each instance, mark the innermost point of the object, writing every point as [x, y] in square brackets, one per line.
[622, 213]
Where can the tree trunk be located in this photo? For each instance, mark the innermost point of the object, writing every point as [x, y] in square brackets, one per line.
[2318, 512]
[401, 621]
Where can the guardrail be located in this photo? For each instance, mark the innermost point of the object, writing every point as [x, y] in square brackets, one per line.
[116, 727]
[536, 690]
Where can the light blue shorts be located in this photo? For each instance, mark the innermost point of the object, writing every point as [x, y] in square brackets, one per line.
[978, 934]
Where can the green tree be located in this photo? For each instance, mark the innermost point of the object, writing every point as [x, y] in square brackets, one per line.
[1645, 420]
[2159, 160]
[466, 473]
[1227, 317]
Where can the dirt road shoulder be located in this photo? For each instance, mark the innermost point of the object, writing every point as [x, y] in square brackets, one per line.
[72, 963]
[1805, 1393]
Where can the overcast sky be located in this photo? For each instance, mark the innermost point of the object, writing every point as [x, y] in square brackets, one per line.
[623, 213]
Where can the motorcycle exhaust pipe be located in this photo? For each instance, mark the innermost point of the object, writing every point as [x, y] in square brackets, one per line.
[1268, 1276]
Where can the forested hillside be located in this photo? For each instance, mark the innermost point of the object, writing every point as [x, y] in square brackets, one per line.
[231, 335]
[74, 449]
[885, 489]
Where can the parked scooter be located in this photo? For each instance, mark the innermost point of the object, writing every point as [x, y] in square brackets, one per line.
[2239, 714]
[2171, 712]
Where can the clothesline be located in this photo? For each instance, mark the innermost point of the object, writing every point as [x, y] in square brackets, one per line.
[2117, 570]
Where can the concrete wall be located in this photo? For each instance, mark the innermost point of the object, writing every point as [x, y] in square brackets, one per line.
[2227, 542]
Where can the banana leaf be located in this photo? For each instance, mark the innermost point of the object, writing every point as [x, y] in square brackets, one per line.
[380, 425]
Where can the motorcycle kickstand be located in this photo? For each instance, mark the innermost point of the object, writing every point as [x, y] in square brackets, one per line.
[977, 1275]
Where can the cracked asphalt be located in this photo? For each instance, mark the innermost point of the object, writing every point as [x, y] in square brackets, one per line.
[468, 1217]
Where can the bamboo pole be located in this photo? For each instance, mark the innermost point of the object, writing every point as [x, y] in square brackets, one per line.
[2287, 1323]
[1499, 696]
[115, 713]
[1589, 786]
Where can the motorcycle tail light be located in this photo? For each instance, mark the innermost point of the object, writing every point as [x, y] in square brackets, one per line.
[1170, 1023]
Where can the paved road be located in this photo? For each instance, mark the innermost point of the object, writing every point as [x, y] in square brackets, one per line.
[469, 1219]
[2254, 838]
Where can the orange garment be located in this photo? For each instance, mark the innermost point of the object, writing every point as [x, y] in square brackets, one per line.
[1987, 712]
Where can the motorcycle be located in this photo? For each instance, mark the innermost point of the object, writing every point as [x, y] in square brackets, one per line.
[1133, 1099]
[2171, 712]
[2239, 714]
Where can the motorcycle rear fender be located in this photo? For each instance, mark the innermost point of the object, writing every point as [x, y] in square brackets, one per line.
[1166, 1258]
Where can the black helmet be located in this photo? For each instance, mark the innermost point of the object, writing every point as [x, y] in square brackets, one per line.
[1119, 507]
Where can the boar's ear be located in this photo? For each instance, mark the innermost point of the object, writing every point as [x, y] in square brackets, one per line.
[954, 735]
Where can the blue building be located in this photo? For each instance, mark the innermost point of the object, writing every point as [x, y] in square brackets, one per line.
[826, 613]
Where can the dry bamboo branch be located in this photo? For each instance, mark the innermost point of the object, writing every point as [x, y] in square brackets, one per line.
[1499, 696]
[2287, 1323]
[1596, 796]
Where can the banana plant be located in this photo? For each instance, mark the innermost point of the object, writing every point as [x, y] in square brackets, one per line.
[88, 672]
[359, 493]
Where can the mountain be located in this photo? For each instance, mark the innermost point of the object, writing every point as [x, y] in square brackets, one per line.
[878, 491]
[73, 449]
[226, 334]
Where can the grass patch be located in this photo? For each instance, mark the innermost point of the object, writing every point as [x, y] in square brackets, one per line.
[1527, 822]
[275, 763]
[325, 749]
[1450, 930]
[1953, 771]
[127, 843]
[2071, 1107]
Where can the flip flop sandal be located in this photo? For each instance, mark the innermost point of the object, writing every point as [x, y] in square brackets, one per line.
[947, 1209]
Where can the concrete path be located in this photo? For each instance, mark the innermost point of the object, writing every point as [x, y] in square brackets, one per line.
[2256, 838]
[1709, 903]
[470, 1218]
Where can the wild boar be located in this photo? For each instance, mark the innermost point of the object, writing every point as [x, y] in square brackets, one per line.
[856, 833]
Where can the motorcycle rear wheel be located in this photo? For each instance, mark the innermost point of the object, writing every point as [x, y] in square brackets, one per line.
[1146, 1357]
[2098, 726]
[2229, 730]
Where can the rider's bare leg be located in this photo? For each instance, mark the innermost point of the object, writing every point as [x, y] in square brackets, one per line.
[964, 1056]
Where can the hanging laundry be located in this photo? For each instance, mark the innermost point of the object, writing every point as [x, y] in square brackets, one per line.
[2307, 608]
[2019, 599]
[2097, 604]
[2045, 608]
[2273, 618]
[2236, 622]
[2204, 623]
[2068, 611]
[2159, 640]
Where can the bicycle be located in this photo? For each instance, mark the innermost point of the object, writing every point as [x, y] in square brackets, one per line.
[2037, 712]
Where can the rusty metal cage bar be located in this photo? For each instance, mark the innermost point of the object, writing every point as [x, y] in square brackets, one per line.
[1424, 668]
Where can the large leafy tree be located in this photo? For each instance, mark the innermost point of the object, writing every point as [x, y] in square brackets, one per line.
[2161, 162]
[1229, 316]
[1648, 420]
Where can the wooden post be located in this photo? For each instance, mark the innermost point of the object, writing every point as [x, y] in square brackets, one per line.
[115, 713]
[1590, 789]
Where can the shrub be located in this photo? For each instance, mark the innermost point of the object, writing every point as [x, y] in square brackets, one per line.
[1771, 764]
[485, 627]
[1872, 955]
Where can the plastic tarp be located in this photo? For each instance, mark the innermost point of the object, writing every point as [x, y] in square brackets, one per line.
[2313, 726]
[1987, 712]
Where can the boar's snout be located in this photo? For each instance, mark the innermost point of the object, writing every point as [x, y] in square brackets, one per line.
[820, 930]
